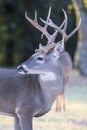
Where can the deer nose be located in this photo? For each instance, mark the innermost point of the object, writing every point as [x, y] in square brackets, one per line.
[21, 68]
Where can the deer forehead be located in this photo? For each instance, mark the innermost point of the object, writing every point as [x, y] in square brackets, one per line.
[46, 57]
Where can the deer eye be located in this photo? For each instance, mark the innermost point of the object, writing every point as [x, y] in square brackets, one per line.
[40, 58]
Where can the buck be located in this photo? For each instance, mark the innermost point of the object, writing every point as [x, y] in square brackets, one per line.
[31, 92]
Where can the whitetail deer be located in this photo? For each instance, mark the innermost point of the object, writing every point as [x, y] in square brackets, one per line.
[32, 92]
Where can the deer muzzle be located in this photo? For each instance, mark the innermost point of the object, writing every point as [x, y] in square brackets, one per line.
[22, 69]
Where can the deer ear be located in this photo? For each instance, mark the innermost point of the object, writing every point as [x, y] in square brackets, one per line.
[57, 50]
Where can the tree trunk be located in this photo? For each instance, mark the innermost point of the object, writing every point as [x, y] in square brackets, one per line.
[82, 56]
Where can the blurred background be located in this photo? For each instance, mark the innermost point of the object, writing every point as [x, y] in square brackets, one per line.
[19, 39]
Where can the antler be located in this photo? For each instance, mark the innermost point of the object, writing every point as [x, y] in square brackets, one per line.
[51, 38]
[45, 27]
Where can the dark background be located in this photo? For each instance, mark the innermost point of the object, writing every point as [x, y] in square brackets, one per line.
[19, 39]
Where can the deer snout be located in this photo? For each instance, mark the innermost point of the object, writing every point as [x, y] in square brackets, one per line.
[22, 69]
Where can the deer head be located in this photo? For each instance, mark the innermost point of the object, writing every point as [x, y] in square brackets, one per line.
[52, 51]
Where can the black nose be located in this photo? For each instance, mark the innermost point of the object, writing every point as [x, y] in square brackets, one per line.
[21, 68]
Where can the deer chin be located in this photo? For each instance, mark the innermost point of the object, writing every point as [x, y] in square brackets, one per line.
[22, 72]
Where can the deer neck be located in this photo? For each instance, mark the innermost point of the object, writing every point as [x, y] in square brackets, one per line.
[51, 85]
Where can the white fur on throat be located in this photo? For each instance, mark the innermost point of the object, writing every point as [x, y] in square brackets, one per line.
[49, 76]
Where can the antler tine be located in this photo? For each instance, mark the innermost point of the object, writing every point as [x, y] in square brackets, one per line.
[45, 27]
[64, 29]
[36, 25]
[62, 24]
[74, 31]
[35, 19]
[66, 19]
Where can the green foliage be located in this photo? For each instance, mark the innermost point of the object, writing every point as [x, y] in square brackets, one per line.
[19, 39]
[85, 3]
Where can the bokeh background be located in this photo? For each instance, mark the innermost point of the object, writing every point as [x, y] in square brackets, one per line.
[19, 39]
